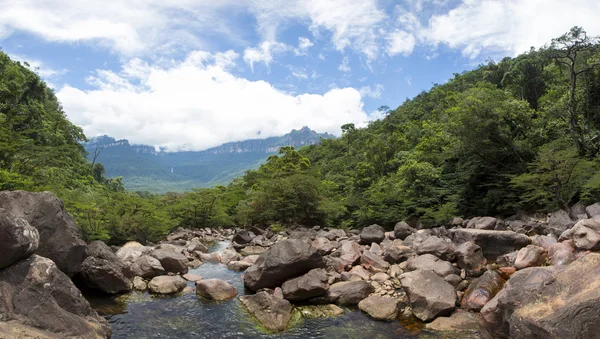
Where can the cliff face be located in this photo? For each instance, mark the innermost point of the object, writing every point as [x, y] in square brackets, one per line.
[145, 167]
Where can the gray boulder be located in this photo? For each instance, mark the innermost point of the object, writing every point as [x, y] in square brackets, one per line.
[273, 312]
[350, 252]
[429, 294]
[35, 293]
[493, 243]
[104, 271]
[558, 222]
[346, 293]
[282, 261]
[435, 245]
[593, 210]
[171, 261]
[147, 267]
[60, 238]
[310, 285]
[165, 284]
[372, 234]
[215, 289]
[482, 223]
[18, 240]
[585, 238]
[397, 252]
[470, 258]
[381, 308]
[403, 230]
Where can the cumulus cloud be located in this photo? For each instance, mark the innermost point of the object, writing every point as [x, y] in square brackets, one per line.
[373, 92]
[197, 103]
[400, 42]
[511, 26]
[304, 44]
[263, 53]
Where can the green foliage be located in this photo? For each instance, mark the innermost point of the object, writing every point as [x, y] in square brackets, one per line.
[505, 136]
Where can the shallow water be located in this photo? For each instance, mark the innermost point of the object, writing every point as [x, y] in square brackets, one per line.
[141, 315]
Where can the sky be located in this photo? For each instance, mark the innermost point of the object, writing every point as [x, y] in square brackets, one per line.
[193, 74]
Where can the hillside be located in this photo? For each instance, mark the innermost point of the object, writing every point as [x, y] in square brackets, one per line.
[144, 168]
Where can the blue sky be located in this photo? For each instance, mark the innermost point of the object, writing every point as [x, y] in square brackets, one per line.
[192, 74]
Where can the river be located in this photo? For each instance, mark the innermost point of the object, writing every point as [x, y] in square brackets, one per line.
[141, 315]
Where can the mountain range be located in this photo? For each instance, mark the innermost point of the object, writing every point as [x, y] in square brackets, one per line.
[146, 168]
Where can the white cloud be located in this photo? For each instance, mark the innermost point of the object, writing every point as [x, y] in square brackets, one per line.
[303, 45]
[196, 104]
[408, 80]
[263, 53]
[373, 92]
[345, 65]
[400, 42]
[511, 26]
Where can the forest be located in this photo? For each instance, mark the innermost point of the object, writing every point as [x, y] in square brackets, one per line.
[522, 133]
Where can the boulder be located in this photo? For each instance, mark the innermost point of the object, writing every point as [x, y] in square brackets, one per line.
[239, 265]
[228, 255]
[147, 267]
[171, 261]
[380, 308]
[104, 271]
[60, 238]
[214, 257]
[492, 243]
[324, 245]
[530, 256]
[18, 240]
[562, 257]
[196, 245]
[558, 222]
[566, 305]
[482, 290]
[191, 277]
[403, 230]
[215, 289]
[482, 223]
[435, 245]
[545, 241]
[346, 293]
[373, 262]
[429, 262]
[243, 237]
[335, 234]
[165, 284]
[273, 312]
[361, 272]
[35, 293]
[284, 260]
[349, 252]
[131, 251]
[593, 210]
[429, 294]
[457, 322]
[585, 238]
[396, 252]
[252, 250]
[139, 284]
[470, 258]
[497, 312]
[310, 285]
[372, 234]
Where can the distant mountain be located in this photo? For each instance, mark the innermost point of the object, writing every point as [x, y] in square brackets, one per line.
[144, 168]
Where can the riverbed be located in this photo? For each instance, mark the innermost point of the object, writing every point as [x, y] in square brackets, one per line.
[141, 315]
